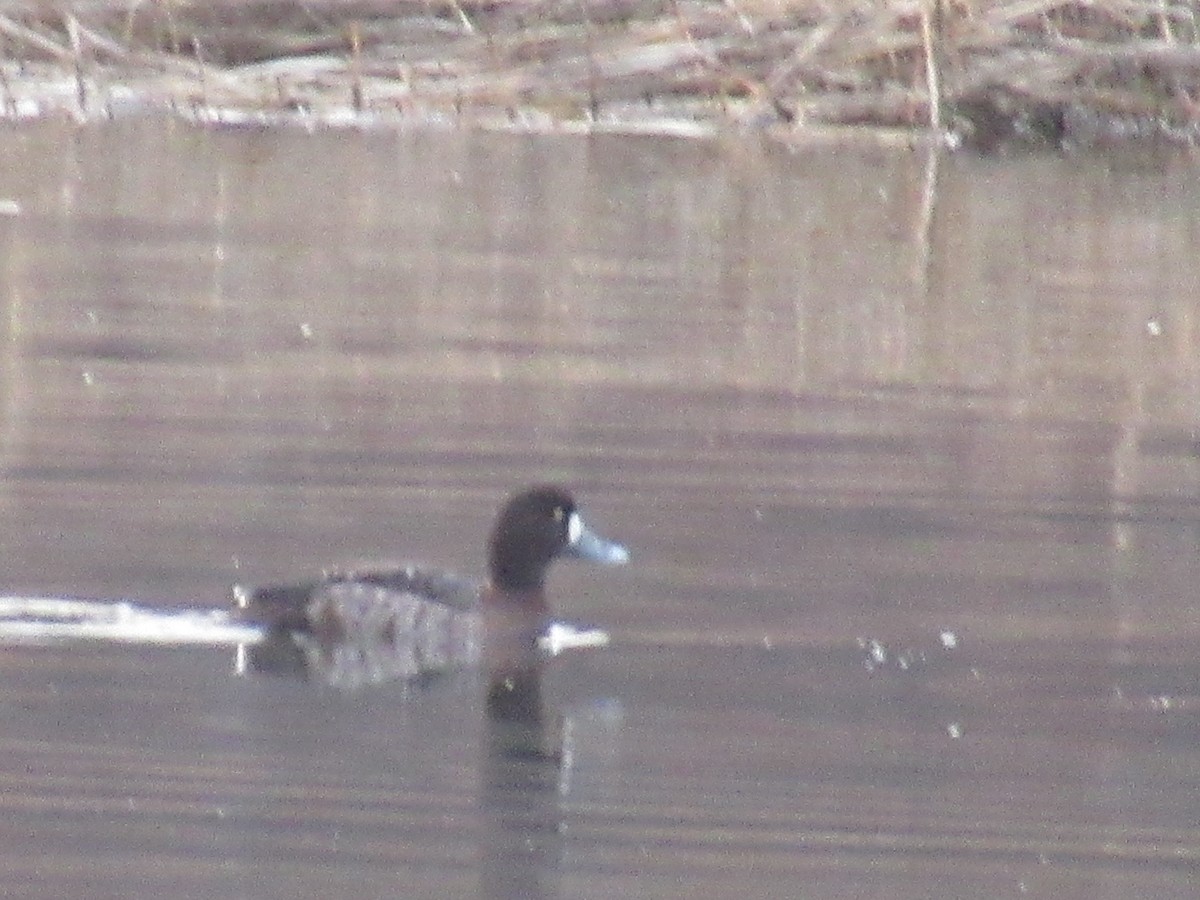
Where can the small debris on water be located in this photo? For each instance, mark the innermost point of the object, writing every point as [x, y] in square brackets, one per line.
[1163, 703]
[9, 208]
[910, 659]
[876, 653]
[1154, 328]
[955, 730]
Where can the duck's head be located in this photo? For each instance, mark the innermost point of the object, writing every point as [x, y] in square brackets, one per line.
[536, 527]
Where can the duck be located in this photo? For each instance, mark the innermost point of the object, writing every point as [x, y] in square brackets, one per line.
[375, 623]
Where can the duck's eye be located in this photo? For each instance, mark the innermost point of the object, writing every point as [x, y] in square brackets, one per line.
[574, 529]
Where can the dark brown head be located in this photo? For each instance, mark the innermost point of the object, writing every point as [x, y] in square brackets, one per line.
[536, 527]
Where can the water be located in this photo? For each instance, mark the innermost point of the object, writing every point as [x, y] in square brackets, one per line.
[905, 454]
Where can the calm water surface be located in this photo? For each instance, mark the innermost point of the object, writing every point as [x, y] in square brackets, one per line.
[907, 453]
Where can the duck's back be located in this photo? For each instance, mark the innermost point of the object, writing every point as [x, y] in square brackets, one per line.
[395, 622]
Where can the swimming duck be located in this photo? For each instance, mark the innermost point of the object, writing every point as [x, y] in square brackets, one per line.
[372, 624]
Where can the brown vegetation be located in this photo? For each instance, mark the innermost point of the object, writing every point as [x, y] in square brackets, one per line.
[990, 71]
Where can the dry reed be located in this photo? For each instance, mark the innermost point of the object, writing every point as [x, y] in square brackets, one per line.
[989, 71]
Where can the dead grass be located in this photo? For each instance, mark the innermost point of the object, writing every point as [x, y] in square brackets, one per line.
[990, 71]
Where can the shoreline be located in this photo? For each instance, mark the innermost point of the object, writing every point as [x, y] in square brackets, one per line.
[992, 76]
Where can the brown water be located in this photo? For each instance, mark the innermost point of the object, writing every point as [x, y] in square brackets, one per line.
[907, 456]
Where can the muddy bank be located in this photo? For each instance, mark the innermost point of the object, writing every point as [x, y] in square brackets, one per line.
[988, 74]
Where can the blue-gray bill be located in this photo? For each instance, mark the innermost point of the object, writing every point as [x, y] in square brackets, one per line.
[586, 544]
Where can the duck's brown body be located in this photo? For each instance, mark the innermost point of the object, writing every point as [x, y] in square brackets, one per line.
[407, 620]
